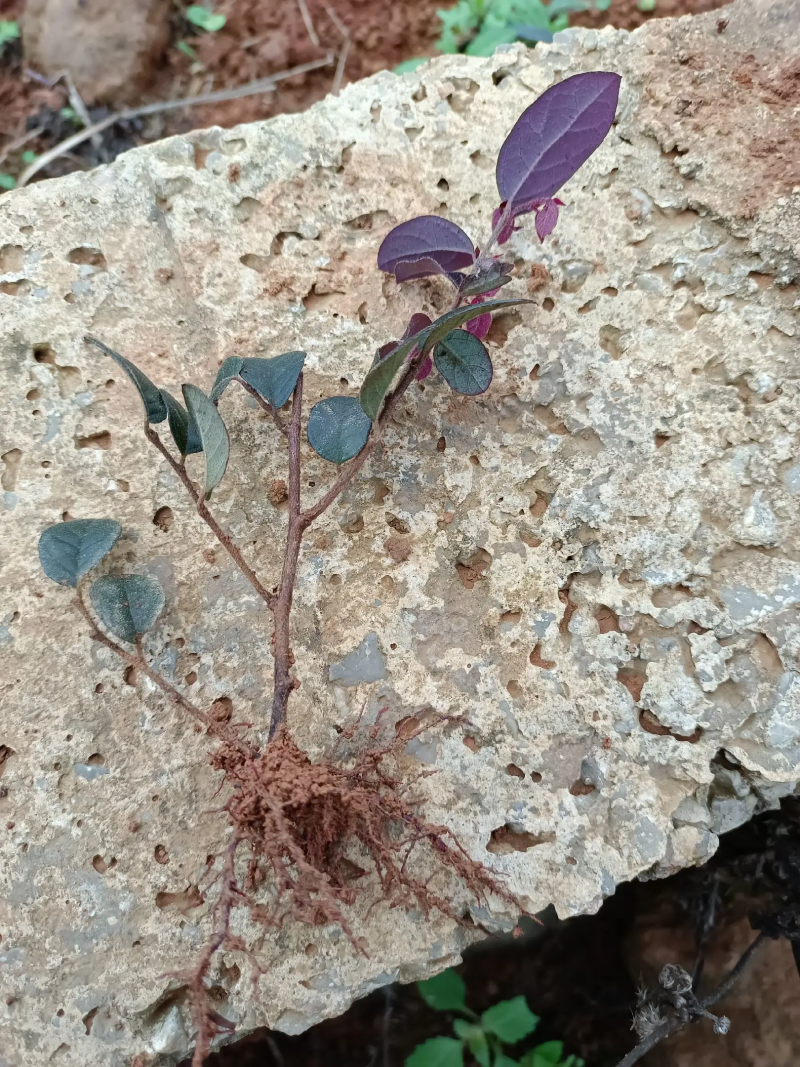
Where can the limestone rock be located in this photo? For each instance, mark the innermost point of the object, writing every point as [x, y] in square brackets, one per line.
[110, 47]
[568, 536]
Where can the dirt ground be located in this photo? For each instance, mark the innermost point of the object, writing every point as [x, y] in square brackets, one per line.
[258, 39]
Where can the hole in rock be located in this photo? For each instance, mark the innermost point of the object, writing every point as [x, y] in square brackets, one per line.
[505, 840]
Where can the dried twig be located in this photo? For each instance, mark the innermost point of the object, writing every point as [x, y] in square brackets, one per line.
[690, 1009]
[261, 85]
[19, 142]
[309, 23]
[346, 41]
[75, 99]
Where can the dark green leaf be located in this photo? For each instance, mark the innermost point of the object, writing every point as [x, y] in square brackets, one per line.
[225, 375]
[464, 363]
[494, 277]
[479, 1047]
[127, 606]
[379, 380]
[183, 429]
[338, 428]
[69, 550]
[154, 406]
[510, 1020]
[444, 992]
[437, 1052]
[451, 320]
[464, 1029]
[547, 1054]
[273, 379]
[506, 1061]
[212, 433]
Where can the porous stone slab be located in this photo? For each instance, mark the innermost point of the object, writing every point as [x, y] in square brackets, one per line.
[592, 568]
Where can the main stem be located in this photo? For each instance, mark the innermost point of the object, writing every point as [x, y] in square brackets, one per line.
[282, 651]
[299, 522]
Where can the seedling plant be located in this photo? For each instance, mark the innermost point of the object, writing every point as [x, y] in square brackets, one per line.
[292, 819]
[478, 27]
[483, 1038]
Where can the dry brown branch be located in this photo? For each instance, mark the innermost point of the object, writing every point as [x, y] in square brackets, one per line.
[261, 85]
[343, 52]
[690, 1009]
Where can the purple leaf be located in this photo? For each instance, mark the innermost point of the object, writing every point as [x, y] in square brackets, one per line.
[426, 366]
[480, 327]
[546, 218]
[554, 136]
[425, 245]
[418, 321]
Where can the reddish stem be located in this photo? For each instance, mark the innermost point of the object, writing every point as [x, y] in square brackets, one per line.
[284, 683]
[224, 539]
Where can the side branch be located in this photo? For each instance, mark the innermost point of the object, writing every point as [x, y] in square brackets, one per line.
[224, 539]
[265, 407]
[140, 663]
[351, 469]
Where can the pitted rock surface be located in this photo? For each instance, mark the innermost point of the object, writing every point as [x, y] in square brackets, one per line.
[592, 569]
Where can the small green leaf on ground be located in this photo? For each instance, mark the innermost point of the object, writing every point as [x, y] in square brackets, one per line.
[409, 65]
[9, 31]
[154, 406]
[444, 992]
[187, 49]
[212, 433]
[7, 181]
[478, 1045]
[127, 606]
[209, 21]
[338, 428]
[29, 157]
[646, 6]
[68, 550]
[463, 362]
[547, 1054]
[275, 378]
[437, 1052]
[510, 1020]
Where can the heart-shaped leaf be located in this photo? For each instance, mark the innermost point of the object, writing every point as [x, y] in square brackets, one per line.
[464, 363]
[425, 245]
[338, 428]
[225, 375]
[212, 433]
[273, 379]
[444, 992]
[154, 406]
[380, 377]
[554, 136]
[183, 429]
[510, 1020]
[127, 606]
[68, 550]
